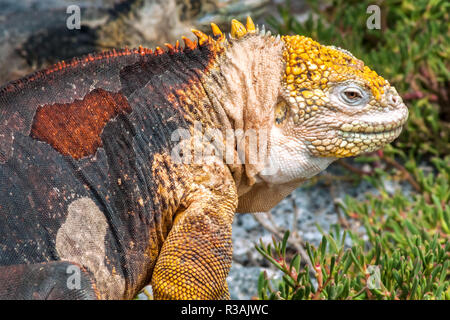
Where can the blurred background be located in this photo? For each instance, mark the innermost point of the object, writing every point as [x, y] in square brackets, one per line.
[393, 205]
[34, 33]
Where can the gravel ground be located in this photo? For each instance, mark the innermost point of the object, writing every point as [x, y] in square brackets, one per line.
[315, 205]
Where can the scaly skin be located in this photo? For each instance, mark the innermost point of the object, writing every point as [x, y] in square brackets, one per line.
[90, 176]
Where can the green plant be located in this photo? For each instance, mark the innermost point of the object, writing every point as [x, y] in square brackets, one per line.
[406, 239]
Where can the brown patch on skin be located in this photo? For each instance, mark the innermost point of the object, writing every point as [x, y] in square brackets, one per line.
[81, 239]
[74, 128]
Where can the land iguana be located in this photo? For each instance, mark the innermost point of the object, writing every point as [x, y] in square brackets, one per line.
[90, 179]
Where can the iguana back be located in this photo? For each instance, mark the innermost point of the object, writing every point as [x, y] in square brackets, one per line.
[78, 141]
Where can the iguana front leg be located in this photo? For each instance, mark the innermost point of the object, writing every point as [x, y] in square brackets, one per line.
[196, 257]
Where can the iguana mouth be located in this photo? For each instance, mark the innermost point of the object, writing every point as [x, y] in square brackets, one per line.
[372, 128]
[350, 143]
[357, 142]
[370, 137]
[376, 125]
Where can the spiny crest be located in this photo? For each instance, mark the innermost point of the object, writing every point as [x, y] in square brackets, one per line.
[238, 30]
[311, 65]
[217, 43]
[218, 40]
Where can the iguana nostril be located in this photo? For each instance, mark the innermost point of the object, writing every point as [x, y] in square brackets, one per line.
[394, 99]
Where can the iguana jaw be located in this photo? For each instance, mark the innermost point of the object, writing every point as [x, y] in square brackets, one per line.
[359, 134]
[298, 150]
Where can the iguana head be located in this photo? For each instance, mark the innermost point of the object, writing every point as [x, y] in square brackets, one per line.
[331, 106]
[337, 104]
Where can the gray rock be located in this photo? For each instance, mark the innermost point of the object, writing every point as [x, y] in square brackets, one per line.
[245, 281]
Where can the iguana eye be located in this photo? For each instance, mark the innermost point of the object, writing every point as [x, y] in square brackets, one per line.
[352, 95]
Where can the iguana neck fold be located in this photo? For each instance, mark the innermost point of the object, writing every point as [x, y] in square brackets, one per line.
[243, 87]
